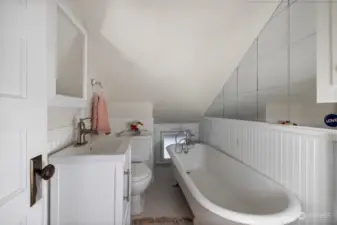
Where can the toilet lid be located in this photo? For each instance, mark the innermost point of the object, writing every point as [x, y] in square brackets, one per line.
[139, 171]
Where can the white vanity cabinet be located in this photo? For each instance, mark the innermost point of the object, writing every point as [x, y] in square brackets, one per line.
[326, 51]
[92, 184]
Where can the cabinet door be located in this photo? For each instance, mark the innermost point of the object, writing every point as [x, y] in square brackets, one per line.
[123, 191]
[127, 189]
[326, 51]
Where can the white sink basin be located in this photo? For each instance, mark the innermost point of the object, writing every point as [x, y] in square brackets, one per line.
[105, 146]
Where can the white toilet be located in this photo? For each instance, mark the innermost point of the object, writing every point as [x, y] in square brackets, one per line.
[141, 172]
[141, 178]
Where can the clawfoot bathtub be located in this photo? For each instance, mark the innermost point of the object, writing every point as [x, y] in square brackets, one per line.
[222, 191]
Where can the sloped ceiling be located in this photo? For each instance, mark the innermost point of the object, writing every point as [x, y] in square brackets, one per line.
[176, 54]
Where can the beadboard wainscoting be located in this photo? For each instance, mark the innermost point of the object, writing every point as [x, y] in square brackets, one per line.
[60, 137]
[299, 158]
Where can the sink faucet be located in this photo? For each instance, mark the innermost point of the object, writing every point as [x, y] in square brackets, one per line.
[83, 131]
[188, 141]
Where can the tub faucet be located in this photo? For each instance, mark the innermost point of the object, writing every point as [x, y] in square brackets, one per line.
[184, 146]
[83, 131]
[187, 141]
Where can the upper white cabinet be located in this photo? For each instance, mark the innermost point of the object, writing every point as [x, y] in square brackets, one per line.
[326, 51]
[69, 39]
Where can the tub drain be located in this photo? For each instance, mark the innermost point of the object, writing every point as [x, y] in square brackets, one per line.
[188, 172]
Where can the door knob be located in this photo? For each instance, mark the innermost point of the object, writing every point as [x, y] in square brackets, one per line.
[36, 171]
[47, 172]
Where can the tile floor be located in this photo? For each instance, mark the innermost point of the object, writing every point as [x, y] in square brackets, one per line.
[163, 200]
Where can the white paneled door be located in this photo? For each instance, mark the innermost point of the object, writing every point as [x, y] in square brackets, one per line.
[23, 107]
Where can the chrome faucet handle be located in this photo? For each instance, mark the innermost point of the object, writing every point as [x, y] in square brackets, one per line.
[189, 134]
[81, 124]
[183, 139]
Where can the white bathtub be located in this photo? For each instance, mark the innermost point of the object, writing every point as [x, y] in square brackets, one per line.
[222, 191]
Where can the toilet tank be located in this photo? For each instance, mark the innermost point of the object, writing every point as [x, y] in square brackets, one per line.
[141, 150]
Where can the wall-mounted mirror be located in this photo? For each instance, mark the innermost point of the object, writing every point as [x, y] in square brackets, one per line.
[230, 96]
[247, 85]
[71, 60]
[216, 108]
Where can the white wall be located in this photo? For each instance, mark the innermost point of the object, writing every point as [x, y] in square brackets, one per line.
[158, 128]
[171, 53]
[131, 109]
[276, 78]
[122, 113]
[178, 74]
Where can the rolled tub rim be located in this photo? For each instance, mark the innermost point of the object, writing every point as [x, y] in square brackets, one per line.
[288, 215]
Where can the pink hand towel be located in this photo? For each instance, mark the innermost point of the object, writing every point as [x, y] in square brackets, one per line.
[100, 118]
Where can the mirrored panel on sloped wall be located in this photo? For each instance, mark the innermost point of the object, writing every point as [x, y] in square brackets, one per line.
[302, 61]
[230, 97]
[247, 85]
[216, 108]
[273, 72]
[276, 79]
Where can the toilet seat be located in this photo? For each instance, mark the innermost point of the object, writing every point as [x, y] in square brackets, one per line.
[140, 171]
